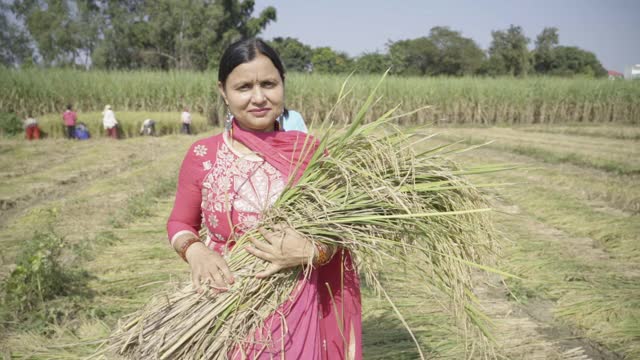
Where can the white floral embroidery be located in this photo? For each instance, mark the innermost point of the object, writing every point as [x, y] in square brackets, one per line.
[213, 221]
[207, 165]
[258, 192]
[200, 150]
[237, 190]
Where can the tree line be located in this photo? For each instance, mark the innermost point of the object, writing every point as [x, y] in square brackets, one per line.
[191, 34]
[445, 52]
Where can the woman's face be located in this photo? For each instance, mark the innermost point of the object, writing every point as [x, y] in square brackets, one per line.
[254, 93]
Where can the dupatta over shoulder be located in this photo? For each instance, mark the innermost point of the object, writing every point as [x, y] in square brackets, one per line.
[288, 151]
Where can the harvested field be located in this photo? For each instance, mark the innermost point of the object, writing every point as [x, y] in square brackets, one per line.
[569, 216]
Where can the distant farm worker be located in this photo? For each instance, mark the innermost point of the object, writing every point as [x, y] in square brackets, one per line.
[185, 117]
[70, 117]
[31, 129]
[109, 122]
[292, 121]
[148, 127]
[82, 132]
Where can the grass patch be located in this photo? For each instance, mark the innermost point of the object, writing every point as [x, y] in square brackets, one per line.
[619, 235]
[609, 132]
[590, 295]
[574, 158]
[568, 246]
[140, 205]
[10, 124]
[620, 157]
[557, 157]
[44, 289]
[435, 328]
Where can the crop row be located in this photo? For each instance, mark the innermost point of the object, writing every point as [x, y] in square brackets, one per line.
[504, 101]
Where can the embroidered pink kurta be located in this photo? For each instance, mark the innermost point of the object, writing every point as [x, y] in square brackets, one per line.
[238, 188]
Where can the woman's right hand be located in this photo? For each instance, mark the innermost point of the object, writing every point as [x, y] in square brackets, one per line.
[207, 266]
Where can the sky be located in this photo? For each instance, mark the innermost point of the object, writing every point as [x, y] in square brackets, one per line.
[610, 29]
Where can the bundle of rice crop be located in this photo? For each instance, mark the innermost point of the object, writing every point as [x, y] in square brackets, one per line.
[373, 195]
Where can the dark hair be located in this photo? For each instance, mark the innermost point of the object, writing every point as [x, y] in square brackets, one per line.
[69, 107]
[244, 51]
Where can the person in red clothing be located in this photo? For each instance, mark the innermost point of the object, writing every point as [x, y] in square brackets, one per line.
[31, 129]
[70, 117]
[226, 181]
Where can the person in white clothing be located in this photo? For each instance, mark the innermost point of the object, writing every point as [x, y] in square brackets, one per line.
[148, 127]
[185, 117]
[109, 122]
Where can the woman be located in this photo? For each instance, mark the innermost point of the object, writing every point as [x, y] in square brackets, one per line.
[109, 122]
[185, 119]
[228, 180]
[69, 117]
[31, 129]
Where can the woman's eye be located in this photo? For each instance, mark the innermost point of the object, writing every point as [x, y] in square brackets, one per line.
[268, 84]
[244, 87]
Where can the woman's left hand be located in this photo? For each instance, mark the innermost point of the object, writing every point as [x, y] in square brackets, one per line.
[283, 248]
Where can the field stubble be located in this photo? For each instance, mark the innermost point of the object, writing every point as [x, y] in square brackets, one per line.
[572, 231]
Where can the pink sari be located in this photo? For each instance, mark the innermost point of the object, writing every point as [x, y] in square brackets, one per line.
[322, 320]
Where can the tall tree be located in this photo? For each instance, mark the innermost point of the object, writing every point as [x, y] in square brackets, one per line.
[189, 34]
[571, 60]
[443, 52]
[413, 57]
[508, 51]
[373, 63]
[295, 55]
[15, 49]
[456, 55]
[543, 53]
[326, 60]
[125, 35]
[63, 32]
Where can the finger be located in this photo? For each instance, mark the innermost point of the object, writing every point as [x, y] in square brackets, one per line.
[226, 273]
[208, 286]
[258, 253]
[260, 245]
[270, 270]
[265, 234]
[195, 279]
[217, 281]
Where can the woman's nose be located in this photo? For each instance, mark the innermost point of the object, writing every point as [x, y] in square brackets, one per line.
[258, 95]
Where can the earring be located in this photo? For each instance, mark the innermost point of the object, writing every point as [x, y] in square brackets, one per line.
[280, 121]
[228, 120]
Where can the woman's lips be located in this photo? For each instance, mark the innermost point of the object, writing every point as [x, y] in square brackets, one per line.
[260, 112]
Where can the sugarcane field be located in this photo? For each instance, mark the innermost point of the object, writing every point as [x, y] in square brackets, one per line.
[83, 222]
